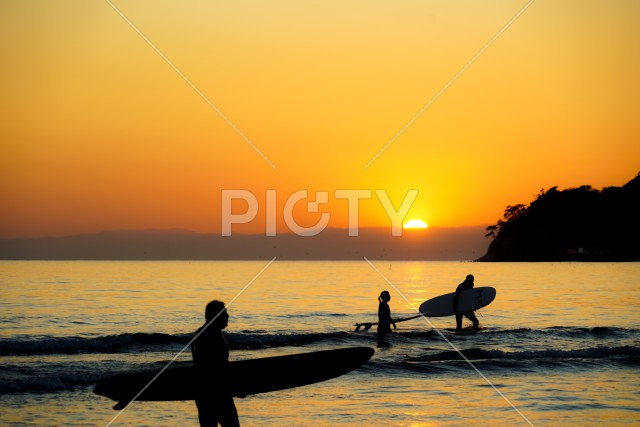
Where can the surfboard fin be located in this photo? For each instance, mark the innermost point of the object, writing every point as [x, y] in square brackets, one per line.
[366, 326]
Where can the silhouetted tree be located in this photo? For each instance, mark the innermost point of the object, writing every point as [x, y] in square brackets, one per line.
[511, 213]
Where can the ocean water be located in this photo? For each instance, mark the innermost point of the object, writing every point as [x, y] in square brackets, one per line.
[560, 345]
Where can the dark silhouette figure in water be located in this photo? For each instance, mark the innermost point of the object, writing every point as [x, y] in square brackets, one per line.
[467, 284]
[384, 314]
[211, 362]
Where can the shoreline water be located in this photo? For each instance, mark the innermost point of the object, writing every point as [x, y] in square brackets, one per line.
[561, 340]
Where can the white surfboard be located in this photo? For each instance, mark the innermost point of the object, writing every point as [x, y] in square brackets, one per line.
[470, 300]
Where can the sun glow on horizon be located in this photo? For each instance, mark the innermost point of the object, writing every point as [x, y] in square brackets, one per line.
[415, 223]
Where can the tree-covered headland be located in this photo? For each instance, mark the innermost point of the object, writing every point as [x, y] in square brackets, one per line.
[576, 224]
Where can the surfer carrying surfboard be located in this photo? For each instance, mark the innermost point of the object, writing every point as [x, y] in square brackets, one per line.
[384, 314]
[467, 284]
[211, 362]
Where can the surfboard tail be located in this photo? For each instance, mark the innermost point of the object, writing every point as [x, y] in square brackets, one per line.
[121, 405]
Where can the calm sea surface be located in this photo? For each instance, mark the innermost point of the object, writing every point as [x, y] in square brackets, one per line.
[560, 344]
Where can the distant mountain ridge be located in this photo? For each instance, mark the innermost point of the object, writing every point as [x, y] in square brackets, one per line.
[576, 224]
[434, 243]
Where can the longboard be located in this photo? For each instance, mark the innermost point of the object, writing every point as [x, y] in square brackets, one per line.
[368, 325]
[470, 300]
[248, 376]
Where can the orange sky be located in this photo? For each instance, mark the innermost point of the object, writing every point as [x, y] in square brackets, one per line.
[98, 132]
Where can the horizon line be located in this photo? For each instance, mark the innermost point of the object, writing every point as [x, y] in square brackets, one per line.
[185, 231]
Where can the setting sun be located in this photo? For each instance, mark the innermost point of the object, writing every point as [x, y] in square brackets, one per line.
[415, 223]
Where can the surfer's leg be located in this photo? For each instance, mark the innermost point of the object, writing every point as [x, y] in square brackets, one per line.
[472, 316]
[207, 413]
[228, 413]
[458, 322]
[383, 329]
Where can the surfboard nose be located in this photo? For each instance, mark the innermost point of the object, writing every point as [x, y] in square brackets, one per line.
[365, 353]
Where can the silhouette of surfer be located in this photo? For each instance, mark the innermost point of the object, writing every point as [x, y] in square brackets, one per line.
[467, 284]
[211, 362]
[384, 314]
